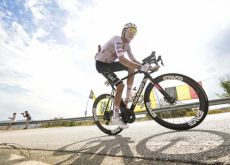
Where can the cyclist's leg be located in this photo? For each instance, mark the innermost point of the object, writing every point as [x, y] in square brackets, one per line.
[129, 85]
[117, 66]
[117, 99]
[115, 81]
[108, 71]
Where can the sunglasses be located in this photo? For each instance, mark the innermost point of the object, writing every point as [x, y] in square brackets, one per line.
[133, 31]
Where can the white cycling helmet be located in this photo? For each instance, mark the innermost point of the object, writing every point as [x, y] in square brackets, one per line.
[131, 26]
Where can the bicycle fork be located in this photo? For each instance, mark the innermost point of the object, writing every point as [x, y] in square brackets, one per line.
[107, 114]
[167, 97]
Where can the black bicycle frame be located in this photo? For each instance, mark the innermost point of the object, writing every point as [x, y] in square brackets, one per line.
[142, 85]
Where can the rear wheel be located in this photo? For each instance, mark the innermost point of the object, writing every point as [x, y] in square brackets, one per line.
[102, 114]
[189, 108]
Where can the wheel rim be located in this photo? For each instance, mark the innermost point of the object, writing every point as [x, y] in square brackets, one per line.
[102, 114]
[180, 115]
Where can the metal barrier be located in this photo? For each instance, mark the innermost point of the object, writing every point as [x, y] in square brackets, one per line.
[211, 103]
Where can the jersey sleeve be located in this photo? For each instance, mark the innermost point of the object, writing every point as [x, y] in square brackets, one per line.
[118, 46]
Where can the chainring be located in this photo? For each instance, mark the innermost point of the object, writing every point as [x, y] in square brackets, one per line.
[127, 115]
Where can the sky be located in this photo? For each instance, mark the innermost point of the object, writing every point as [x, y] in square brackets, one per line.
[47, 48]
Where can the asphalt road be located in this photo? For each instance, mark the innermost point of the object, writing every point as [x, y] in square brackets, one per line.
[142, 143]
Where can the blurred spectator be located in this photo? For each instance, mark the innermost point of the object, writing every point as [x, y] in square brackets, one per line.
[12, 121]
[28, 118]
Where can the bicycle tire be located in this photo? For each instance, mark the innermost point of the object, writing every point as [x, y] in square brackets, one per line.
[163, 117]
[103, 121]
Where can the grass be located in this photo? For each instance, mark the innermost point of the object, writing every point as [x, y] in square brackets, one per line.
[60, 123]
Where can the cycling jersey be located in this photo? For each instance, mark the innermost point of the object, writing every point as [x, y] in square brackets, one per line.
[113, 49]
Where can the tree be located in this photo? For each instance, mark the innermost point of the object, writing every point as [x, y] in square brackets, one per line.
[225, 84]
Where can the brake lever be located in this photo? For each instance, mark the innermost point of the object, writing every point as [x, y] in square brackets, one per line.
[159, 59]
[152, 59]
[149, 59]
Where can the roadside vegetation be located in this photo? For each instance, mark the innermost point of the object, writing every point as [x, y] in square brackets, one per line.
[225, 85]
[59, 122]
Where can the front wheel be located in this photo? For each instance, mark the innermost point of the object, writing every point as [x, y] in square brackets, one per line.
[102, 114]
[187, 107]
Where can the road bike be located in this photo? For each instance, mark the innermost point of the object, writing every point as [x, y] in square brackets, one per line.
[167, 108]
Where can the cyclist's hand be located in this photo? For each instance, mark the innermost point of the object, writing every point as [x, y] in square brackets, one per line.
[145, 67]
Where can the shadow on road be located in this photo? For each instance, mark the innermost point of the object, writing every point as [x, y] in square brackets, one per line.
[172, 146]
[215, 145]
[191, 147]
[111, 145]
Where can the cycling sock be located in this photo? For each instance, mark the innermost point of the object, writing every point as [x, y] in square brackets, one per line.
[128, 91]
[116, 113]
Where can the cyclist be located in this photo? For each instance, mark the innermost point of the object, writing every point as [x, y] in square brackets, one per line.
[111, 59]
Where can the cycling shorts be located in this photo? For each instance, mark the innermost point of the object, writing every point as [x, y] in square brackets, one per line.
[108, 69]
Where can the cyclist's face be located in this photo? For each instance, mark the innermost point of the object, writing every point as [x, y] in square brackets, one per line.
[129, 34]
